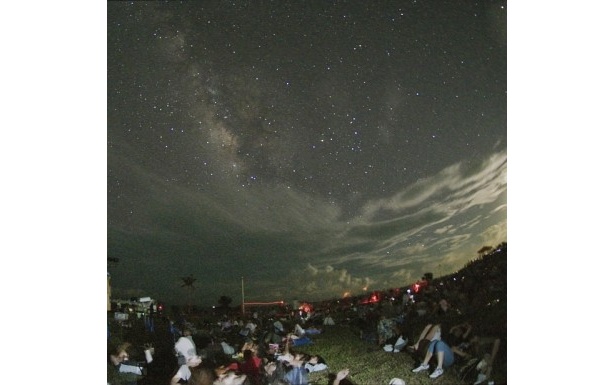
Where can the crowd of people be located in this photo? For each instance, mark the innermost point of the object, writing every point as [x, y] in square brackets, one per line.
[439, 326]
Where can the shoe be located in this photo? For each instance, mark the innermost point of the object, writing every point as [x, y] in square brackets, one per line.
[481, 377]
[436, 373]
[420, 368]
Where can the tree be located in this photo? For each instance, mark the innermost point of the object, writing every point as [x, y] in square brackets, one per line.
[484, 250]
[188, 283]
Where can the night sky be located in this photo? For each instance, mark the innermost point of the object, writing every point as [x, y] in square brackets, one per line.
[314, 148]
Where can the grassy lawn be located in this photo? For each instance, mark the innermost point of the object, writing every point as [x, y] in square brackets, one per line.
[341, 348]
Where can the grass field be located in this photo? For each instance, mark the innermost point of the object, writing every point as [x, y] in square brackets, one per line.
[341, 347]
[369, 365]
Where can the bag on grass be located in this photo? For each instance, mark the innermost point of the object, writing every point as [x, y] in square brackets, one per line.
[469, 371]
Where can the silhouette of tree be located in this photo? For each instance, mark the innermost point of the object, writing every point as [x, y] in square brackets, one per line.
[188, 283]
[484, 250]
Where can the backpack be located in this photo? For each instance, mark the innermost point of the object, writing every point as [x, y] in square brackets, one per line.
[469, 371]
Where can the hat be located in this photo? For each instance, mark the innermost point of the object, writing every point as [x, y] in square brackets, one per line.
[397, 381]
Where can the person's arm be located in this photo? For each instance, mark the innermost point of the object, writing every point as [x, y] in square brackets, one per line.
[175, 379]
[340, 376]
[453, 328]
[458, 351]
[468, 330]
[287, 346]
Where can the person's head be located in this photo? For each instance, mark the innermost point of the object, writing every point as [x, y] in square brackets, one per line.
[247, 354]
[230, 378]
[201, 375]
[187, 332]
[120, 353]
[316, 359]
[444, 305]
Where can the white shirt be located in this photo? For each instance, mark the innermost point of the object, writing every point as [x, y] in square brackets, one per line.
[315, 367]
[251, 326]
[186, 347]
[183, 373]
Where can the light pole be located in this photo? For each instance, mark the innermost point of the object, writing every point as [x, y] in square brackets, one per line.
[243, 306]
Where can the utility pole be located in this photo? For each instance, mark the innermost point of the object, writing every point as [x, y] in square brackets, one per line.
[243, 300]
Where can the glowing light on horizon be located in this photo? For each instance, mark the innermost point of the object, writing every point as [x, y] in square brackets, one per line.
[264, 303]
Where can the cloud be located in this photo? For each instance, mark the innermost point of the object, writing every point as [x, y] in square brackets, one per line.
[326, 282]
[436, 224]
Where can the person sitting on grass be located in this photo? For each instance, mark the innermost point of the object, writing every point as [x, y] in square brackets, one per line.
[479, 347]
[251, 366]
[419, 348]
[384, 329]
[119, 356]
[461, 339]
[185, 347]
[444, 355]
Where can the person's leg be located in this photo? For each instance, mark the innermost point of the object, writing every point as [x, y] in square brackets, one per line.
[425, 364]
[440, 359]
[427, 333]
[494, 352]
[428, 356]
[444, 354]
[433, 349]
[430, 351]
